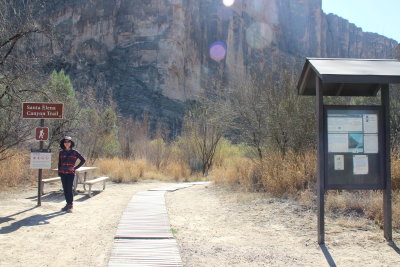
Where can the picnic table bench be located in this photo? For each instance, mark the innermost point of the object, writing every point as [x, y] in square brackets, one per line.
[78, 180]
[48, 180]
[94, 181]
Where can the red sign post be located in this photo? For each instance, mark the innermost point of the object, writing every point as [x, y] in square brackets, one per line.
[42, 111]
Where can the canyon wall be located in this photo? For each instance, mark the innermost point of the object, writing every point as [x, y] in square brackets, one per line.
[153, 55]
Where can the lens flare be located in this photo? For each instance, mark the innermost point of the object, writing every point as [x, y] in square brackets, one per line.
[218, 51]
[259, 35]
[228, 2]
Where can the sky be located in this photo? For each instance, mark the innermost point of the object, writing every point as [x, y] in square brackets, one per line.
[379, 16]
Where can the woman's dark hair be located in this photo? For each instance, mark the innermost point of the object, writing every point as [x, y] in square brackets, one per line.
[62, 144]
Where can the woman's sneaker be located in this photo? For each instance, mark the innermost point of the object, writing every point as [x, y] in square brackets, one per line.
[67, 208]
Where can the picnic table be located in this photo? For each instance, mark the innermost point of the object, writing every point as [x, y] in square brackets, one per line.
[78, 178]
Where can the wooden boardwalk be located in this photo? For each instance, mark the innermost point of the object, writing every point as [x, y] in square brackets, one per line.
[144, 236]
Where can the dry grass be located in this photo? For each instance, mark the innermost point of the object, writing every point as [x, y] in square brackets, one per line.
[276, 174]
[236, 171]
[122, 170]
[129, 170]
[363, 203]
[289, 174]
[395, 169]
[15, 171]
[294, 175]
[177, 170]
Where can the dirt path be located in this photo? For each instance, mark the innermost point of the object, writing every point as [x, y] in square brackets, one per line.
[43, 236]
[217, 227]
[214, 226]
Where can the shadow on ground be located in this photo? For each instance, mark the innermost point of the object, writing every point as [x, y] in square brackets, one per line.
[86, 196]
[34, 220]
[54, 196]
[327, 255]
[8, 218]
[58, 196]
[393, 245]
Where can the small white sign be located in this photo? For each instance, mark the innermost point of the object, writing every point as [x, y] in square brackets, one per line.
[370, 123]
[338, 143]
[339, 162]
[344, 124]
[360, 164]
[371, 143]
[40, 160]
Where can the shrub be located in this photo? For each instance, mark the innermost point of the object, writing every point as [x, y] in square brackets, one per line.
[235, 171]
[289, 174]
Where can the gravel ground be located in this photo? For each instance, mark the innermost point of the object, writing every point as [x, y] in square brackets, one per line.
[216, 226]
[44, 236]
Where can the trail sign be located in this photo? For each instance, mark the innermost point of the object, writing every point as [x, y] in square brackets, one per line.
[42, 110]
[42, 133]
[34, 110]
[40, 160]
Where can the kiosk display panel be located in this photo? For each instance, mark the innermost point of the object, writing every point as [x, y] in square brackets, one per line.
[353, 139]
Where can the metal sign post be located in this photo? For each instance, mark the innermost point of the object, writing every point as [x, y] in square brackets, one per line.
[34, 110]
[40, 172]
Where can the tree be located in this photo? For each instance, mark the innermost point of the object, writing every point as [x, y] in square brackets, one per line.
[291, 117]
[20, 75]
[134, 137]
[60, 90]
[98, 132]
[250, 102]
[205, 124]
[270, 115]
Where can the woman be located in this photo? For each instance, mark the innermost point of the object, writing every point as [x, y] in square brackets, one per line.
[66, 169]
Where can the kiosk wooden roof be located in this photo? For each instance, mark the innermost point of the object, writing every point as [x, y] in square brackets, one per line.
[348, 77]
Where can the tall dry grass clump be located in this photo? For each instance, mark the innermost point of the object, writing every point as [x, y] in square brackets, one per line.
[14, 170]
[134, 170]
[277, 174]
[123, 170]
[178, 170]
[235, 171]
[395, 169]
[288, 174]
[363, 203]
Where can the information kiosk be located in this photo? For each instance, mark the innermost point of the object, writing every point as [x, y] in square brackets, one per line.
[353, 141]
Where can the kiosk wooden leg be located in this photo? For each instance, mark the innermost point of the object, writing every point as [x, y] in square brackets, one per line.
[320, 161]
[387, 192]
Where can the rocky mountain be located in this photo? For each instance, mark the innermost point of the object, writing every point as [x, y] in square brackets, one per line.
[152, 55]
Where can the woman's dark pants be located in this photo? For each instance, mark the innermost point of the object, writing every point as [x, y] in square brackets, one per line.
[67, 183]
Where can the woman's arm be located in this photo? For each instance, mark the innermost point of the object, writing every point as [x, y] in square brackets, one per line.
[81, 158]
[59, 163]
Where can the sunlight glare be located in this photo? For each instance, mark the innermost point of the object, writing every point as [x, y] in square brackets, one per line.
[228, 2]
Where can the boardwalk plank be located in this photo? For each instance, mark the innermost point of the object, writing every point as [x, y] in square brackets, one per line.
[144, 236]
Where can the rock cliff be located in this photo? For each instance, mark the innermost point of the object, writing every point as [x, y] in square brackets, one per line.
[155, 54]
